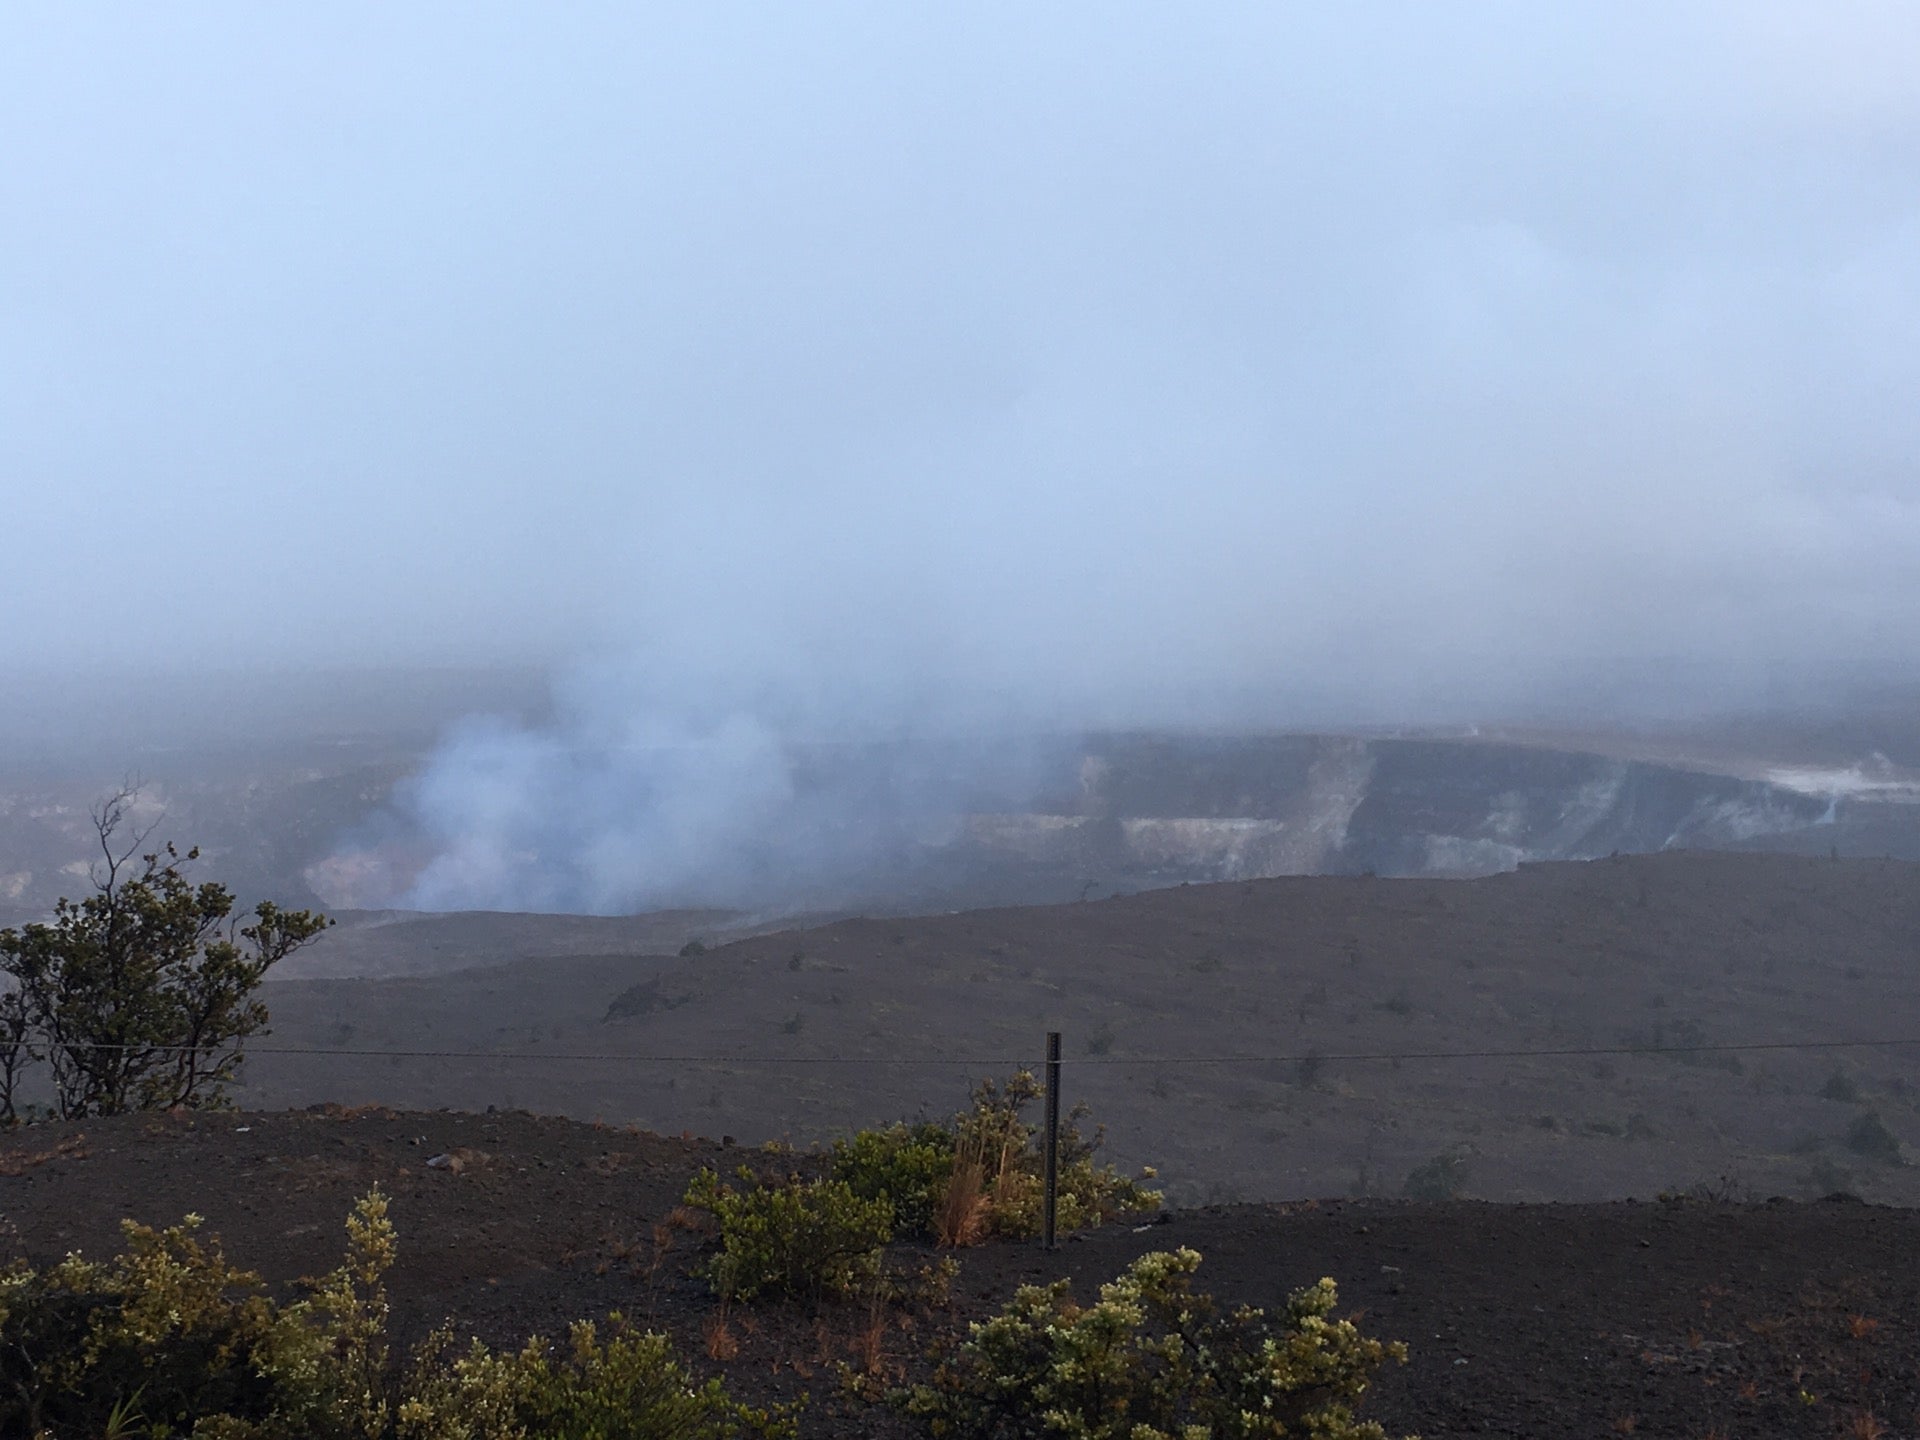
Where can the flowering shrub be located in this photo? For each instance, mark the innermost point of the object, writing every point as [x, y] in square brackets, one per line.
[1152, 1360]
[168, 1335]
[629, 1386]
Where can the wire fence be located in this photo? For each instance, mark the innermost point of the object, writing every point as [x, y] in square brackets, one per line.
[1543, 1121]
[1003, 1061]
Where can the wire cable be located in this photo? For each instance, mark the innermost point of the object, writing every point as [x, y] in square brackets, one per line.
[1327, 1057]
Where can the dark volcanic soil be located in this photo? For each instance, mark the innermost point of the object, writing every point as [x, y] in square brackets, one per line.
[1656, 1319]
[800, 1034]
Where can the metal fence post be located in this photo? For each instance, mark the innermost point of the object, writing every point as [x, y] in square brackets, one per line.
[1051, 1204]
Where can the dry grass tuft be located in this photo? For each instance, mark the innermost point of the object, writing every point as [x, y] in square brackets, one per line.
[869, 1341]
[961, 1216]
[721, 1343]
[333, 1110]
[73, 1147]
[683, 1219]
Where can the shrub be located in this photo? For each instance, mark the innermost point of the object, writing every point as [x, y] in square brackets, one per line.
[798, 1238]
[168, 1334]
[629, 1386]
[168, 1331]
[906, 1165]
[994, 1137]
[1152, 1360]
[954, 1184]
[168, 1339]
[1439, 1177]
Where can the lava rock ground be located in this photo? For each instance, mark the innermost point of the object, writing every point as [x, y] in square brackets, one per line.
[1683, 1318]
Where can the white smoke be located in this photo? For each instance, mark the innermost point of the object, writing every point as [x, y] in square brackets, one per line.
[525, 819]
[614, 808]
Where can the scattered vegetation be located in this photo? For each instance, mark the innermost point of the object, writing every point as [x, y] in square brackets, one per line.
[978, 1176]
[140, 996]
[1153, 1360]
[168, 1339]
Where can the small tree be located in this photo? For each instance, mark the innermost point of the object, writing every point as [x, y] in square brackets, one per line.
[139, 996]
[14, 1054]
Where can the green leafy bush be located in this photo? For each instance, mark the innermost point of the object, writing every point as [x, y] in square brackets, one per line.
[629, 1386]
[168, 1334]
[169, 1326]
[170, 1340]
[797, 1238]
[957, 1183]
[1153, 1360]
[907, 1165]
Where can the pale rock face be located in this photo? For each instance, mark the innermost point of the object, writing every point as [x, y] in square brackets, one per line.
[1015, 821]
[1312, 805]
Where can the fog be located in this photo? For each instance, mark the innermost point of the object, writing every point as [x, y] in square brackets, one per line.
[866, 371]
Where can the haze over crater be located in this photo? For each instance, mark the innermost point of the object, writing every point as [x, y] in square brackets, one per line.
[851, 373]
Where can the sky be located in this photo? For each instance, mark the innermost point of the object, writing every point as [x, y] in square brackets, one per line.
[907, 366]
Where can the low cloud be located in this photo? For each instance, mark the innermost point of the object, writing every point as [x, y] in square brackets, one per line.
[842, 375]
